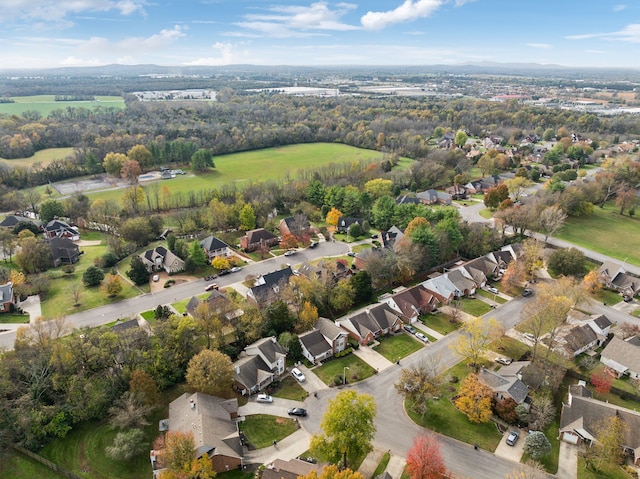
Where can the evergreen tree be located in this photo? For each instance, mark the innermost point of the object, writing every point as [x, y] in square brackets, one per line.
[138, 271]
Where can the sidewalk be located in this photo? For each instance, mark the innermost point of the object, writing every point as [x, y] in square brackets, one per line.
[289, 448]
[395, 467]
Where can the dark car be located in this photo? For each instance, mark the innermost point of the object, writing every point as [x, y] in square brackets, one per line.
[527, 292]
[297, 411]
[224, 271]
[351, 253]
[313, 245]
[628, 299]
[409, 329]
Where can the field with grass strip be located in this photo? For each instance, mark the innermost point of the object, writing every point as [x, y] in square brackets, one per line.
[440, 322]
[261, 165]
[45, 104]
[43, 157]
[474, 307]
[606, 232]
[358, 370]
[262, 430]
[398, 346]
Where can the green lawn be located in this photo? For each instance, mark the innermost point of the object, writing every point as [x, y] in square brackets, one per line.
[261, 165]
[486, 213]
[474, 307]
[398, 346]
[509, 347]
[440, 322]
[289, 388]
[82, 450]
[382, 465]
[149, 315]
[262, 430]
[44, 157]
[609, 471]
[607, 296]
[550, 461]
[14, 318]
[491, 296]
[358, 370]
[605, 231]
[181, 306]
[45, 104]
[17, 466]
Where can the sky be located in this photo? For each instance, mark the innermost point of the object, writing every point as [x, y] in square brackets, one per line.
[575, 33]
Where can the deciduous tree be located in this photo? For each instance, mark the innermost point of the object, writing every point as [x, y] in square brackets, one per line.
[178, 452]
[247, 218]
[308, 317]
[333, 216]
[537, 445]
[474, 399]
[347, 428]
[333, 472]
[528, 470]
[567, 261]
[220, 263]
[421, 383]
[128, 412]
[144, 388]
[601, 381]
[126, 445]
[130, 171]
[424, 458]
[202, 160]
[112, 285]
[476, 335]
[138, 271]
[550, 220]
[210, 372]
[542, 411]
[113, 162]
[140, 154]
[197, 254]
[49, 209]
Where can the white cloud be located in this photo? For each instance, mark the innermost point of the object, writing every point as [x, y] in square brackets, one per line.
[226, 56]
[54, 11]
[296, 21]
[629, 34]
[408, 11]
[79, 62]
[619, 8]
[539, 45]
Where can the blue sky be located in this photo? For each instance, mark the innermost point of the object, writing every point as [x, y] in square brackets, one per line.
[53, 33]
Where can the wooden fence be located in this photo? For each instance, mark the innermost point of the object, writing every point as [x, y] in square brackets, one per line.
[46, 462]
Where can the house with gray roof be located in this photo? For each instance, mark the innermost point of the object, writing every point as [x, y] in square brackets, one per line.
[267, 287]
[345, 223]
[613, 276]
[371, 323]
[218, 302]
[11, 221]
[61, 229]
[214, 247]
[443, 287]
[213, 423]
[622, 357]
[389, 238]
[461, 282]
[507, 382]
[323, 341]
[7, 299]
[292, 469]
[432, 196]
[581, 415]
[63, 251]
[578, 340]
[161, 259]
[259, 365]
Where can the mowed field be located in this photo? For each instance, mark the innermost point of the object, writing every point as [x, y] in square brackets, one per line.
[44, 157]
[45, 104]
[260, 165]
[607, 232]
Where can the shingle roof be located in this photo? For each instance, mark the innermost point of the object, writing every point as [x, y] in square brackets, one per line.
[328, 328]
[511, 385]
[622, 352]
[211, 243]
[62, 248]
[258, 235]
[579, 337]
[315, 342]
[6, 293]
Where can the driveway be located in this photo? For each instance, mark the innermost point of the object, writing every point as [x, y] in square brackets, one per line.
[568, 461]
[375, 360]
[31, 305]
[514, 452]
[312, 383]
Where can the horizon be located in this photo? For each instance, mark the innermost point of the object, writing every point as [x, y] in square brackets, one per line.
[308, 33]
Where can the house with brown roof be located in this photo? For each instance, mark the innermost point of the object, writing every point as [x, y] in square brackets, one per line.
[258, 239]
[259, 365]
[622, 357]
[218, 302]
[292, 469]
[581, 414]
[213, 423]
[412, 302]
[161, 259]
[430, 197]
[368, 325]
[323, 341]
[297, 225]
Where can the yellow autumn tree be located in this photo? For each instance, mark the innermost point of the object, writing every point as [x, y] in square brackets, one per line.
[333, 216]
[474, 399]
[308, 317]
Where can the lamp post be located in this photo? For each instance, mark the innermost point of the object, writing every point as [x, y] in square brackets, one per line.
[344, 374]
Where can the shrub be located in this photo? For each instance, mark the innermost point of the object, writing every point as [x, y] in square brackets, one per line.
[92, 276]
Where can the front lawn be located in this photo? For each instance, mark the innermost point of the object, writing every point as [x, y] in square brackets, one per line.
[397, 347]
[262, 429]
[493, 297]
[606, 296]
[14, 318]
[609, 471]
[474, 307]
[181, 306]
[332, 371]
[288, 388]
[440, 322]
[510, 347]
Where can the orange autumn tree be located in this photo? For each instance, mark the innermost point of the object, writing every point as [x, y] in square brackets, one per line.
[333, 216]
[474, 399]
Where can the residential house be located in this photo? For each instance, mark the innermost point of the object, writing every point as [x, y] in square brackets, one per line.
[389, 238]
[614, 276]
[61, 229]
[213, 423]
[577, 340]
[447, 141]
[160, 258]
[259, 365]
[213, 247]
[292, 469]
[218, 302]
[345, 223]
[337, 269]
[582, 414]
[407, 200]
[442, 288]
[11, 221]
[258, 239]
[507, 382]
[371, 323]
[7, 299]
[268, 287]
[63, 251]
[622, 357]
[457, 192]
[297, 226]
[123, 326]
[323, 341]
[431, 197]
[463, 283]
[601, 325]
[411, 303]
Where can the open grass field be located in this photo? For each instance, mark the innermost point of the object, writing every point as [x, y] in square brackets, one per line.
[606, 232]
[398, 346]
[358, 370]
[45, 104]
[44, 157]
[262, 429]
[260, 165]
[474, 307]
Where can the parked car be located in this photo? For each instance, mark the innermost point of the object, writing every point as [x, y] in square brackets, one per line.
[264, 398]
[409, 329]
[493, 290]
[374, 236]
[512, 438]
[313, 245]
[529, 336]
[527, 292]
[505, 361]
[628, 299]
[235, 269]
[156, 278]
[297, 411]
[296, 373]
[210, 287]
[351, 253]
[224, 271]
[422, 337]
[290, 253]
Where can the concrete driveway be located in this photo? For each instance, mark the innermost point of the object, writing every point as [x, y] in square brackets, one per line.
[515, 452]
[372, 358]
[312, 383]
[568, 461]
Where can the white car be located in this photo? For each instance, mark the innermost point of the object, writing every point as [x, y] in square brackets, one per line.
[264, 398]
[493, 290]
[296, 373]
[235, 269]
[422, 337]
[291, 252]
[529, 336]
